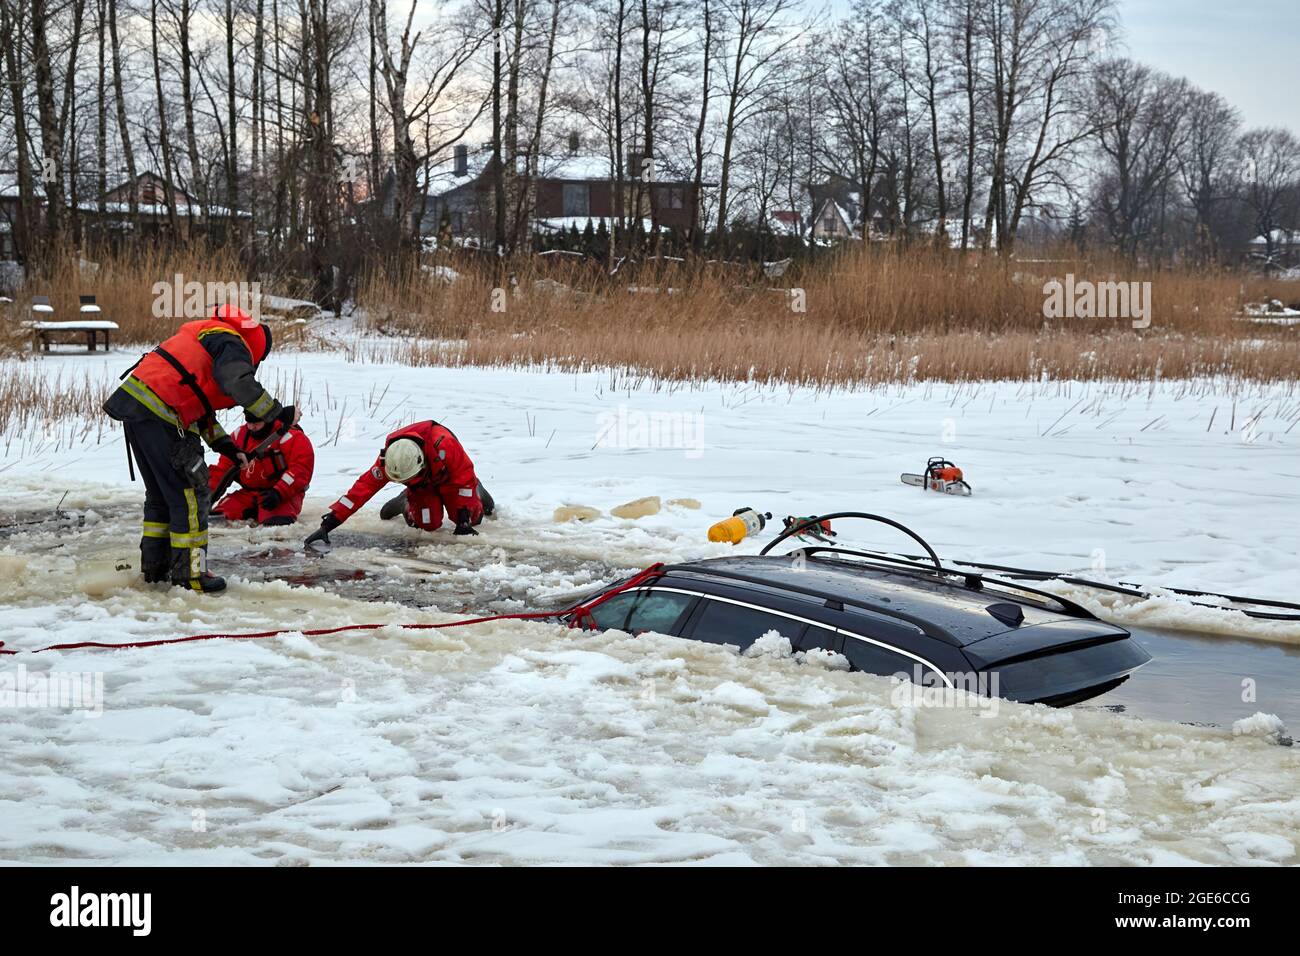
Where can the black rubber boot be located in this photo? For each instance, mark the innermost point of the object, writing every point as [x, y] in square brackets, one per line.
[205, 583]
[155, 559]
[489, 505]
[393, 507]
[182, 576]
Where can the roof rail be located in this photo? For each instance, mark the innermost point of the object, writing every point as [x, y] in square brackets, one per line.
[922, 624]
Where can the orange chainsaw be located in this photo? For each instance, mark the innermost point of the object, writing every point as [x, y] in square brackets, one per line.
[940, 475]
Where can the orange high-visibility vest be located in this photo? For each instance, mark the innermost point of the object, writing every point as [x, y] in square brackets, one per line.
[188, 387]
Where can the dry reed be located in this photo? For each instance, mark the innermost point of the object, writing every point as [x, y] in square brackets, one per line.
[871, 315]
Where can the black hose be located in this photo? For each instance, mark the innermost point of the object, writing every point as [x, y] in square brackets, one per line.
[799, 526]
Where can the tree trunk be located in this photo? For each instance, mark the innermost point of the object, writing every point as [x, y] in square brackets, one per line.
[52, 172]
[123, 131]
[164, 138]
[697, 177]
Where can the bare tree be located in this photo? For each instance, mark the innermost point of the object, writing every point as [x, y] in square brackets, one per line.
[1040, 54]
[1140, 118]
[753, 38]
[119, 99]
[13, 24]
[1206, 165]
[53, 103]
[1269, 163]
[920, 22]
[859, 91]
[707, 46]
[964, 27]
[419, 74]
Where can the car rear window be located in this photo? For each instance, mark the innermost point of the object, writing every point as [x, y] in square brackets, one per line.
[722, 623]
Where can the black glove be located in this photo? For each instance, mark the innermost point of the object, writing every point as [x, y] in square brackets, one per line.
[322, 534]
[225, 445]
[273, 499]
[462, 523]
[284, 421]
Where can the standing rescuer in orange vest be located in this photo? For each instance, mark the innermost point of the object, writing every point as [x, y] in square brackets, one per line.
[166, 402]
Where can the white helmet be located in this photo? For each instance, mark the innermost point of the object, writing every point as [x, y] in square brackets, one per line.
[403, 459]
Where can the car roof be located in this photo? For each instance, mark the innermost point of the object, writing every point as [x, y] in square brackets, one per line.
[943, 608]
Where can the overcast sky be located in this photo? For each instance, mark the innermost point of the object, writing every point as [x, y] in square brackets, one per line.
[1248, 50]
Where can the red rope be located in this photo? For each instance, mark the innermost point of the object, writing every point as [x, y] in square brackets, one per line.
[581, 613]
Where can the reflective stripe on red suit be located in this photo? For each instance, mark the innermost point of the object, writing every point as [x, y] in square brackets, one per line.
[447, 485]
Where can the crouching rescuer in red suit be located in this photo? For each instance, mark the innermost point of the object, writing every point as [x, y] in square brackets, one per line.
[439, 477]
[167, 401]
[273, 483]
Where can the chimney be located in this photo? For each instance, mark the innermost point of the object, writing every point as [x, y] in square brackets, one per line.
[460, 165]
[574, 143]
[635, 160]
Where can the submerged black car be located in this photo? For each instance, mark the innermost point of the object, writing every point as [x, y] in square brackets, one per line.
[934, 625]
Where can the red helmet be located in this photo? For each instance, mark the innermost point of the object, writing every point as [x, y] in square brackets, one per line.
[256, 335]
[232, 315]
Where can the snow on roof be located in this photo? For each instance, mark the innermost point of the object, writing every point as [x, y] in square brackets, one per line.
[569, 167]
[160, 210]
[442, 177]
[575, 167]
[952, 229]
[565, 223]
[786, 222]
[1278, 237]
[9, 190]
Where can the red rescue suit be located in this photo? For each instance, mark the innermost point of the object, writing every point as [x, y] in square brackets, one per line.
[285, 467]
[447, 484]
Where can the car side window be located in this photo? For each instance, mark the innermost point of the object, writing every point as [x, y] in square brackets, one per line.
[821, 638]
[875, 660]
[658, 611]
[613, 613]
[636, 611]
[722, 623]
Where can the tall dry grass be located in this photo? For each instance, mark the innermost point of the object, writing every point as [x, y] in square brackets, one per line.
[868, 317]
[126, 289]
[43, 410]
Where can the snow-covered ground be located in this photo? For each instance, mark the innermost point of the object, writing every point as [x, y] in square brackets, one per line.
[526, 742]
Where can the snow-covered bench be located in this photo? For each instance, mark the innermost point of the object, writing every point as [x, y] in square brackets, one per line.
[45, 330]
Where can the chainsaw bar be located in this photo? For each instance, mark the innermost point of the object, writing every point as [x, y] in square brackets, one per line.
[957, 487]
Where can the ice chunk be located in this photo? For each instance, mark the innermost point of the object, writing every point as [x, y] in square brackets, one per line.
[641, 508]
[738, 697]
[12, 566]
[1259, 724]
[771, 644]
[575, 513]
[820, 657]
[690, 503]
[98, 578]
